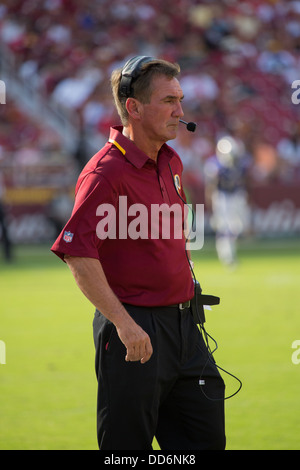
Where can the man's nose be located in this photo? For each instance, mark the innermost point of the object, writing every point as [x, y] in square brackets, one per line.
[179, 111]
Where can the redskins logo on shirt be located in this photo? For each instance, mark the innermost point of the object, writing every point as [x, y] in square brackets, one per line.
[177, 183]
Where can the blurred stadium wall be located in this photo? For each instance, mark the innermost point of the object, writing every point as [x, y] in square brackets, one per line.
[239, 60]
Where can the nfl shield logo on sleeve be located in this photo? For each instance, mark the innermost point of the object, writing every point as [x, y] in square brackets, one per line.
[68, 236]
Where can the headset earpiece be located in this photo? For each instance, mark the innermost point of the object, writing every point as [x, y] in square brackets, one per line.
[130, 71]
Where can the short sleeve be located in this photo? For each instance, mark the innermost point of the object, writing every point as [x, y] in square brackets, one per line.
[79, 236]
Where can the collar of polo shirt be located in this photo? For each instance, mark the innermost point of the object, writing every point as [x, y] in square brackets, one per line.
[132, 153]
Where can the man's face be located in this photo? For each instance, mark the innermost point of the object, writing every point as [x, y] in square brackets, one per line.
[160, 117]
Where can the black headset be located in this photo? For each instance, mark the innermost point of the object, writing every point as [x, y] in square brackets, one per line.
[130, 71]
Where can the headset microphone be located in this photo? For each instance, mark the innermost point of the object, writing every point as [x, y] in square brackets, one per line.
[191, 126]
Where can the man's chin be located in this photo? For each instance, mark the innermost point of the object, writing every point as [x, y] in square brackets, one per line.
[172, 132]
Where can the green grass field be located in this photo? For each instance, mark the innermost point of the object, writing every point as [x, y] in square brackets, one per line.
[48, 385]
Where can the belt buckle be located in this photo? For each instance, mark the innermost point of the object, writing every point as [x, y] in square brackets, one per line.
[184, 305]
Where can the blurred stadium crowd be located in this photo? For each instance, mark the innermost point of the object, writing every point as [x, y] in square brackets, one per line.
[238, 60]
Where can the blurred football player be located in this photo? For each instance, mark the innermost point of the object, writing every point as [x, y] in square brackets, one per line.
[226, 177]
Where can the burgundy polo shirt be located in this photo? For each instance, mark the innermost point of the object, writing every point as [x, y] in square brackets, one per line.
[115, 194]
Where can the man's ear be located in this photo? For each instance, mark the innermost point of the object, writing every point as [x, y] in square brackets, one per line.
[134, 108]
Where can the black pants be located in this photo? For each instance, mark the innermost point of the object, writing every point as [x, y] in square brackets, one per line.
[163, 397]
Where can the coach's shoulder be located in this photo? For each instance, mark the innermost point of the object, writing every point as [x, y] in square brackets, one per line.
[105, 165]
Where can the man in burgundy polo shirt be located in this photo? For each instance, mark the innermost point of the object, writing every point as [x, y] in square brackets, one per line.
[125, 246]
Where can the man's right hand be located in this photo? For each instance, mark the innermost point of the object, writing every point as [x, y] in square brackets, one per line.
[136, 341]
[91, 280]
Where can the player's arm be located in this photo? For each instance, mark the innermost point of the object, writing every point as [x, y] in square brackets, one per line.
[91, 280]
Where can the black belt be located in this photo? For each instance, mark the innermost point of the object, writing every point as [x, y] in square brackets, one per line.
[202, 300]
[181, 306]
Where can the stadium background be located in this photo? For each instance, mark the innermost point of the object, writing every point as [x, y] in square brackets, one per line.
[238, 60]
